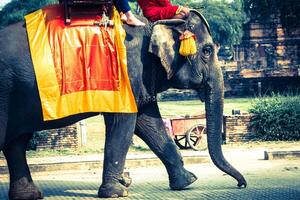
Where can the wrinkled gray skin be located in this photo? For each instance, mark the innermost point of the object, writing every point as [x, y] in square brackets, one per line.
[20, 108]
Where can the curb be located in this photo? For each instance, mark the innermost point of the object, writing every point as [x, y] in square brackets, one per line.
[275, 155]
[133, 161]
[140, 161]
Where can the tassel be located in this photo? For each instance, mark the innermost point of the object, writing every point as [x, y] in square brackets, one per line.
[187, 44]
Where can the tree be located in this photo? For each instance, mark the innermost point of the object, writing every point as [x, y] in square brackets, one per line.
[225, 19]
[16, 9]
[181, 2]
[264, 10]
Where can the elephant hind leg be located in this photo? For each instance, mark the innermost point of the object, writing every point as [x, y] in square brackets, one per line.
[2, 131]
[5, 91]
[3, 122]
[24, 189]
[119, 132]
[21, 184]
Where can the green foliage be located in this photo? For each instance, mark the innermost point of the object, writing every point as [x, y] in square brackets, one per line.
[263, 10]
[181, 2]
[37, 136]
[14, 11]
[225, 19]
[276, 118]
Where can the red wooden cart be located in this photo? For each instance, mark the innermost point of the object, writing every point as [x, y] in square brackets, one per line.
[188, 132]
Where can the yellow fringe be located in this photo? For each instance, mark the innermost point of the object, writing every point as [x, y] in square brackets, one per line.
[188, 47]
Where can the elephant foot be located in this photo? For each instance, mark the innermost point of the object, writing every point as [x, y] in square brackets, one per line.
[125, 179]
[181, 180]
[112, 190]
[25, 190]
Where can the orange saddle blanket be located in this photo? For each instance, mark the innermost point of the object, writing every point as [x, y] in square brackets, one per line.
[80, 67]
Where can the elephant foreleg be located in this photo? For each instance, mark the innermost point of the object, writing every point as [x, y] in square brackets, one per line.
[119, 132]
[150, 128]
[21, 184]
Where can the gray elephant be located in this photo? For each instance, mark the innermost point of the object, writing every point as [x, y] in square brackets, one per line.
[149, 72]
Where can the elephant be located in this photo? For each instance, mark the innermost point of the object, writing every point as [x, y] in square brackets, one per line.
[150, 73]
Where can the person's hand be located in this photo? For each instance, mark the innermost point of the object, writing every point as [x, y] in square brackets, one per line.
[183, 14]
[185, 11]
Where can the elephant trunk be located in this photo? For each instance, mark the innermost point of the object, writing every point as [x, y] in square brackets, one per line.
[214, 98]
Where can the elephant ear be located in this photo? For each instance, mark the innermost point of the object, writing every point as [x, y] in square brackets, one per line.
[202, 18]
[164, 46]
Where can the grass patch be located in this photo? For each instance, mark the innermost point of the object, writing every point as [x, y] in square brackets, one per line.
[62, 152]
[196, 107]
[138, 148]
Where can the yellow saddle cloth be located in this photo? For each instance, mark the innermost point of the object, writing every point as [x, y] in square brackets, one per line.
[80, 67]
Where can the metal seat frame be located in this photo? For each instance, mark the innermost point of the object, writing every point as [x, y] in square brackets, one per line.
[81, 8]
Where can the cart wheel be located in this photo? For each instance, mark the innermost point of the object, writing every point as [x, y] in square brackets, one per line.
[181, 141]
[197, 138]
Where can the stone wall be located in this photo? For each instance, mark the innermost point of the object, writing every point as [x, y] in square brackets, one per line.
[236, 128]
[268, 45]
[261, 86]
[268, 54]
[66, 137]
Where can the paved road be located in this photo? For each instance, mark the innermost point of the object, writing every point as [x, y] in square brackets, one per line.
[275, 180]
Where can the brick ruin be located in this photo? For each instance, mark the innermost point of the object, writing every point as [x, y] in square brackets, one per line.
[66, 137]
[236, 128]
[267, 60]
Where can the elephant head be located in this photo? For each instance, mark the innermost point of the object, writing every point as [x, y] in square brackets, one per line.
[200, 72]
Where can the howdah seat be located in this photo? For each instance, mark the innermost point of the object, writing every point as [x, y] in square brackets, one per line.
[82, 8]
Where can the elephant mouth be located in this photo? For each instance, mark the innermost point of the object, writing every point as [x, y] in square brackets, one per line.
[193, 83]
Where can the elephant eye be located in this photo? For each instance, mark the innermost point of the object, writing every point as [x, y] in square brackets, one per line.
[207, 50]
